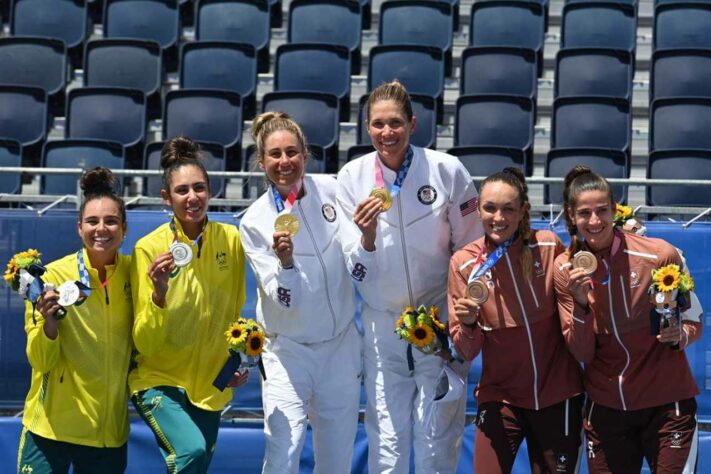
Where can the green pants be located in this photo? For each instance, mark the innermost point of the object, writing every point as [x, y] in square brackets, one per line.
[186, 434]
[38, 455]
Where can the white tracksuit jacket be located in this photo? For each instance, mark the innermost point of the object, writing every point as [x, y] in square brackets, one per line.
[433, 215]
[312, 355]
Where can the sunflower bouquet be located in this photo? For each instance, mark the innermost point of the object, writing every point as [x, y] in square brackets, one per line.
[421, 328]
[626, 218]
[670, 289]
[19, 265]
[246, 343]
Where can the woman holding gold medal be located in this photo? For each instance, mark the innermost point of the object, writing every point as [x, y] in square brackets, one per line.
[404, 209]
[79, 346]
[188, 280]
[306, 303]
[502, 304]
[640, 388]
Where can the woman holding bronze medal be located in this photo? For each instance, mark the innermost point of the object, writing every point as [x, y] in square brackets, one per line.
[76, 410]
[306, 303]
[640, 388]
[405, 209]
[502, 304]
[188, 280]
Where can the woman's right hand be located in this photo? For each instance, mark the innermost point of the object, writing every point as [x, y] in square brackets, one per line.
[48, 306]
[579, 285]
[159, 273]
[467, 311]
[366, 218]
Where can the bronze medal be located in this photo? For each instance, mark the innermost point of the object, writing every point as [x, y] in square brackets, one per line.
[384, 196]
[287, 223]
[478, 291]
[586, 261]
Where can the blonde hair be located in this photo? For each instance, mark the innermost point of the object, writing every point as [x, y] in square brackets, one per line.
[267, 123]
[394, 91]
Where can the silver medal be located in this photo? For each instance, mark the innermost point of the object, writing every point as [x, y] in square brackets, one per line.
[69, 293]
[182, 254]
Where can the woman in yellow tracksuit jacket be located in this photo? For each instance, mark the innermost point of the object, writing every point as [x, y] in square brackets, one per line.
[76, 409]
[182, 314]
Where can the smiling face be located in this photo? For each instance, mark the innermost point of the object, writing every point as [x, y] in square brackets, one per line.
[390, 130]
[284, 160]
[101, 229]
[189, 196]
[593, 215]
[501, 210]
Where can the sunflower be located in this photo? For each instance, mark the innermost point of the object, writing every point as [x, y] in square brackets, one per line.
[236, 334]
[434, 314]
[400, 321]
[19, 261]
[667, 278]
[255, 343]
[421, 335]
[622, 213]
[686, 284]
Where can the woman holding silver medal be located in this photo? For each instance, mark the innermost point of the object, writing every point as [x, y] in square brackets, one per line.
[188, 280]
[502, 304]
[80, 346]
[640, 388]
[306, 303]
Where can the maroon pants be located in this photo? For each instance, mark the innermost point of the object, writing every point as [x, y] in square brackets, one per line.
[552, 436]
[666, 436]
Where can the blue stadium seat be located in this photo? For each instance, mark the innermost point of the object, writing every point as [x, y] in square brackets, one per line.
[679, 164]
[496, 121]
[316, 113]
[317, 163]
[221, 65]
[606, 162]
[24, 117]
[63, 19]
[419, 68]
[78, 153]
[130, 63]
[680, 73]
[154, 20]
[420, 22]
[599, 25]
[37, 62]
[356, 151]
[109, 113]
[315, 67]
[509, 23]
[485, 161]
[424, 108]
[680, 124]
[594, 72]
[328, 21]
[682, 25]
[242, 21]
[499, 70]
[206, 115]
[213, 158]
[591, 122]
[10, 155]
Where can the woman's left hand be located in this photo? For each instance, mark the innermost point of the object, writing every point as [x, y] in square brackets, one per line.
[239, 379]
[670, 335]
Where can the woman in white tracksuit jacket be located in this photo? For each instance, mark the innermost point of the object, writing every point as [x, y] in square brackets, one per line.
[400, 258]
[306, 302]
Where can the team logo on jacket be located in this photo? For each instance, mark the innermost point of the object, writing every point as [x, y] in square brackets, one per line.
[359, 271]
[561, 463]
[676, 440]
[284, 295]
[427, 194]
[221, 259]
[127, 290]
[329, 212]
[634, 279]
[538, 266]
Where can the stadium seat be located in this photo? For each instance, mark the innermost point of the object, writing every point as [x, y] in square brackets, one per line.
[606, 162]
[591, 122]
[594, 72]
[316, 113]
[420, 22]
[206, 115]
[213, 158]
[499, 70]
[37, 62]
[78, 153]
[10, 155]
[679, 164]
[130, 63]
[419, 68]
[424, 109]
[682, 25]
[109, 113]
[484, 161]
[680, 73]
[599, 25]
[356, 151]
[315, 67]
[680, 124]
[496, 121]
[154, 20]
[24, 117]
[242, 21]
[508, 23]
[328, 21]
[221, 65]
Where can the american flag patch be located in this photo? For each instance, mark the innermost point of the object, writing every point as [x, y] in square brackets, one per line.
[468, 207]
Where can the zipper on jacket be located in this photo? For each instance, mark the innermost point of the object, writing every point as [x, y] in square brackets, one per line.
[106, 290]
[107, 369]
[533, 293]
[619, 339]
[323, 267]
[624, 297]
[404, 250]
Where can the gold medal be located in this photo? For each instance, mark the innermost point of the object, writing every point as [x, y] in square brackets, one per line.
[287, 223]
[586, 261]
[384, 196]
[478, 291]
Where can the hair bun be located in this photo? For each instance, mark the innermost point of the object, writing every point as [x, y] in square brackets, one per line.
[177, 149]
[99, 180]
[261, 120]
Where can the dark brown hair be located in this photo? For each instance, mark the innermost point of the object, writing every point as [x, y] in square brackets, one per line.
[98, 183]
[178, 152]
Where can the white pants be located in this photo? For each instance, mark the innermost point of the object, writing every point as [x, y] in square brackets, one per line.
[320, 382]
[399, 402]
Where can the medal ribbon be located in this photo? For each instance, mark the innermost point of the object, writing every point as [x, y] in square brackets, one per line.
[401, 174]
[194, 242]
[616, 241]
[84, 278]
[290, 199]
[492, 259]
